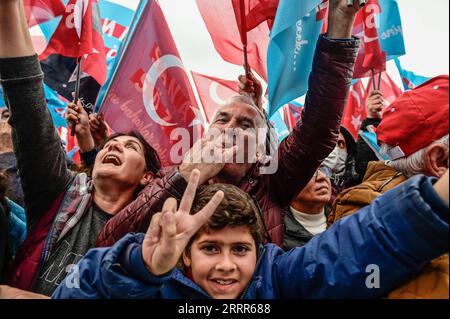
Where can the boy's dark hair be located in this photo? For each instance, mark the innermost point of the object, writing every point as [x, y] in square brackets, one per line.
[236, 209]
[152, 161]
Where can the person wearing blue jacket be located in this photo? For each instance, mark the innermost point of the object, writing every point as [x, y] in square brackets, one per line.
[362, 256]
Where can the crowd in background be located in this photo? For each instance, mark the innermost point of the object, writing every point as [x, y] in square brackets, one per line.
[224, 230]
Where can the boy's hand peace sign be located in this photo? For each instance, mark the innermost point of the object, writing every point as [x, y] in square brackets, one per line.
[171, 229]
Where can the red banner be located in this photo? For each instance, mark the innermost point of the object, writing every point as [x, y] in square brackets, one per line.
[355, 111]
[214, 92]
[79, 34]
[256, 12]
[151, 91]
[226, 36]
[40, 11]
[370, 56]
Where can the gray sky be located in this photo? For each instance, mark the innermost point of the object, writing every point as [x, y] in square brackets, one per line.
[425, 25]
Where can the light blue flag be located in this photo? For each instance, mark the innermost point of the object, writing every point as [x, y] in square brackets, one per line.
[280, 126]
[409, 79]
[291, 51]
[371, 140]
[390, 29]
[2, 99]
[55, 104]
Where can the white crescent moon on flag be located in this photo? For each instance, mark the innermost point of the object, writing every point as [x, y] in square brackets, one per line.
[157, 69]
[213, 93]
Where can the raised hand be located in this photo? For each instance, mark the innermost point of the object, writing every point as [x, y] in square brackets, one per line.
[208, 156]
[250, 86]
[15, 39]
[375, 104]
[171, 230]
[99, 129]
[341, 18]
[76, 114]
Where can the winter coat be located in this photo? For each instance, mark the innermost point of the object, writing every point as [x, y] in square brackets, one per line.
[433, 281]
[295, 234]
[390, 234]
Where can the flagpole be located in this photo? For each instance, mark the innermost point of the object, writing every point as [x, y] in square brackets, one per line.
[126, 43]
[373, 79]
[244, 36]
[379, 81]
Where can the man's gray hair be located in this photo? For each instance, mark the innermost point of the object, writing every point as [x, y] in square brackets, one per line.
[242, 99]
[246, 100]
[413, 164]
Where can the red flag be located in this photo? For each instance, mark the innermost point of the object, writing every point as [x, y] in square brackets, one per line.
[322, 14]
[289, 117]
[151, 92]
[79, 34]
[370, 56]
[355, 111]
[214, 92]
[226, 36]
[388, 87]
[256, 12]
[40, 11]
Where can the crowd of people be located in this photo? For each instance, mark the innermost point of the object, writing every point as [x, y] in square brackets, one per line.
[122, 226]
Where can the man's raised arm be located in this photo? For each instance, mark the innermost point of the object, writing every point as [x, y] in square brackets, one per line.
[315, 136]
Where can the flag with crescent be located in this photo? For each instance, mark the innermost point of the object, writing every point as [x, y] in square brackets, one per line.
[355, 110]
[226, 35]
[151, 92]
[214, 92]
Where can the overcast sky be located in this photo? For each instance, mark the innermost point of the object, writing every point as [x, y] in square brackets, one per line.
[425, 25]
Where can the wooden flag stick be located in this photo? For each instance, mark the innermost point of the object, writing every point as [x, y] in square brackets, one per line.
[245, 61]
[379, 81]
[77, 92]
[244, 35]
[373, 79]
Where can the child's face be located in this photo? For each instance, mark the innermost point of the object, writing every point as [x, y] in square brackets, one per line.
[223, 262]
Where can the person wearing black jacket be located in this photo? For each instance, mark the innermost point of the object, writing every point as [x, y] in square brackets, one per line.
[364, 154]
[4, 221]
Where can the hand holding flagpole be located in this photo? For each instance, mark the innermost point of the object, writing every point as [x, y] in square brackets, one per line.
[77, 92]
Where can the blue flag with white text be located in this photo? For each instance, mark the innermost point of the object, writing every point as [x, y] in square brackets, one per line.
[291, 50]
[390, 30]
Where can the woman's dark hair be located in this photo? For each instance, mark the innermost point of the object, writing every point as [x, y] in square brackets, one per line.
[152, 161]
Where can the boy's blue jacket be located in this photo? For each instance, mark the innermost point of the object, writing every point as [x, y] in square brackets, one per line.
[397, 234]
